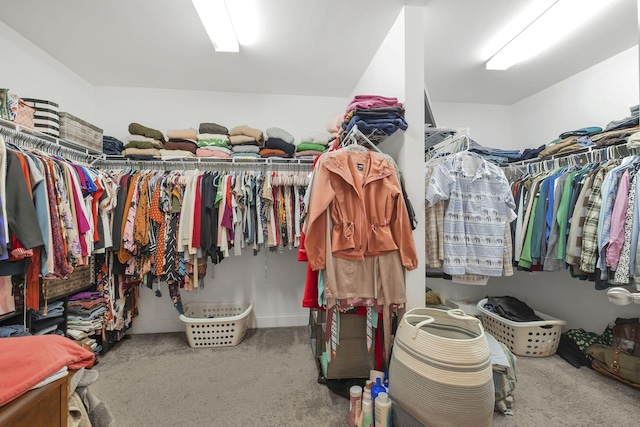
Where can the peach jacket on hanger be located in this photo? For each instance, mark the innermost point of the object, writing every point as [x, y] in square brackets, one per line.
[367, 208]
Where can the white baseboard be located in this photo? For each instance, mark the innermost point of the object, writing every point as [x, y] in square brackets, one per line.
[156, 326]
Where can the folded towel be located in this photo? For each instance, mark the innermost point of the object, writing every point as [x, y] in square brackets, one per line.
[138, 129]
[203, 152]
[212, 128]
[140, 144]
[280, 133]
[241, 139]
[245, 149]
[183, 133]
[308, 153]
[310, 146]
[372, 101]
[204, 136]
[273, 152]
[213, 143]
[141, 152]
[181, 144]
[213, 148]
[315, 137]
[246, 130]
[279, 144]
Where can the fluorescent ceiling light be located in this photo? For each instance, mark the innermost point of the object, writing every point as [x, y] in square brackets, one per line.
[215, 18]
[244, 16]
[547, 22]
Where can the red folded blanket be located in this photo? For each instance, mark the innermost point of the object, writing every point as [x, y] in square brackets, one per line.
[26, 361]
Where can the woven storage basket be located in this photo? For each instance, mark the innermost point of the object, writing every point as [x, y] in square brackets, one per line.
[440, 370]
[77, 130]
[535, 339]
[216, 324]
[79, 279]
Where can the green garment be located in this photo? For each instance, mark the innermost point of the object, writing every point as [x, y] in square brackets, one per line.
[213, 143]
[310, 146]
[140, 144]
[562, 215]
[138, 129]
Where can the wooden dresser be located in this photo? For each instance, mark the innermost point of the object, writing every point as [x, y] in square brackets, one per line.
[47, 406]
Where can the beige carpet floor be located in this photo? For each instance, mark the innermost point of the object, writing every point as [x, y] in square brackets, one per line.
[270, 379]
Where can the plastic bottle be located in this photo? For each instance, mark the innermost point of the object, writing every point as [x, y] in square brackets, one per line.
[366, 392]
[367, 413]
[375, 390]
[373, 374]
[355, 404]
[383, 410]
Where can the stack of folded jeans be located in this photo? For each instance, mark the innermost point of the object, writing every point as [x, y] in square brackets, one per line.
[13, 331]
[375, 115]
[48, 319]
[495, 155]
[85, 318]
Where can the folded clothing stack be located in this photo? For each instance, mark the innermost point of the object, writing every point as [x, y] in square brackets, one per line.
[141, 145]
[312, 144]
[112, 146]
[213, 145]
[183, 140]
[245, 142]
[375, 115]
[48, 319]
[279, 143]
[85, 318]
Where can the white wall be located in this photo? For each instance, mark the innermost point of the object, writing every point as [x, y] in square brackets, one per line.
[165, 109]
[592, 97]
[277, 289]
[397, 70]
[487, 124]
[30, 73]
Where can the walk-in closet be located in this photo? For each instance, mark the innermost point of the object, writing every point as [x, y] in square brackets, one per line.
[320, 213]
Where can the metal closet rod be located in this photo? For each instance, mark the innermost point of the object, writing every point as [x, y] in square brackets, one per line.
[204, 164]
[590, 152]
[29, 138]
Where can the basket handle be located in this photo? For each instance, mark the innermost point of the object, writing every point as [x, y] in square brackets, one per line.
[426, 321]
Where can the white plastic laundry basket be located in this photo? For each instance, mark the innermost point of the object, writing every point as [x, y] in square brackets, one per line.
[534, 339]
[216, 324]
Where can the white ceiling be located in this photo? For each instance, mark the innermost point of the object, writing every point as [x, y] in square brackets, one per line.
[307, 47]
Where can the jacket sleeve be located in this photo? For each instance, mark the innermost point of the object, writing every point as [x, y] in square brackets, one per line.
[402, 232]
[315, 242]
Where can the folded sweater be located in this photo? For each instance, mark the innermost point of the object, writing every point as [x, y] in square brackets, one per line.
[201, 152]
[176, 154]
[310, 146]
[246, 130]
[213, 148]
[272, 152]
[315, 138]
[280, 133]
[241, 139]
[245, 149]
[213, 143]
[212, 128]
[141, 152]
[245, 156]
[183, 133]
[279, 144]
[140, 144]
[138, 129]
[204, 136]
[308, 153]
[181, 144]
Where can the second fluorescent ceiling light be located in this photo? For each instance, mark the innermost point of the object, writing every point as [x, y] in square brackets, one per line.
[539, 27]
[217, 22]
